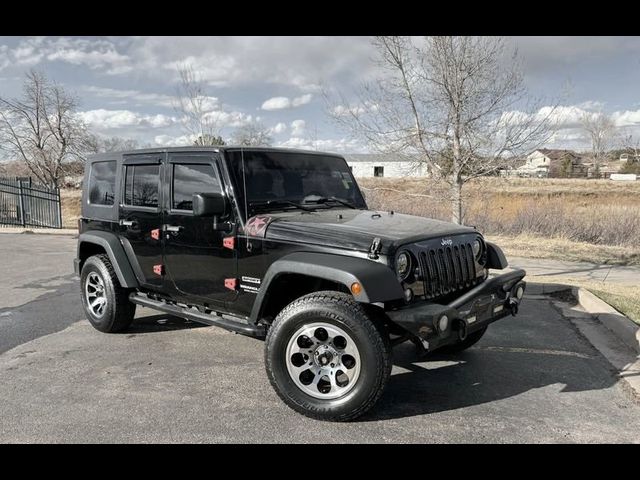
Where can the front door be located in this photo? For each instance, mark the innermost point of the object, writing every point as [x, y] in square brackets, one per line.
[196, 261]
[141, 217]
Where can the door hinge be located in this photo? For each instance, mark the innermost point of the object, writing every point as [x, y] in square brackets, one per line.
[229, 242]
[231, 283]
[158, 269]
[155, 234]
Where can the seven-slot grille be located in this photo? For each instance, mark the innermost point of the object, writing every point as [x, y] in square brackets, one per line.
[447, 269]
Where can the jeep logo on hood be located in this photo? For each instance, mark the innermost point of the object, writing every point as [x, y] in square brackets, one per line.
[446, 242]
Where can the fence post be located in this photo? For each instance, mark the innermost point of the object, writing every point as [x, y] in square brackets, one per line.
[59, 208]
[21, 197]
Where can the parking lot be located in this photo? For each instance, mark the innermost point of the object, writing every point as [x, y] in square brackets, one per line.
[532, 378]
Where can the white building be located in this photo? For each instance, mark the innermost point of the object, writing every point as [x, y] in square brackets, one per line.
[384, 165]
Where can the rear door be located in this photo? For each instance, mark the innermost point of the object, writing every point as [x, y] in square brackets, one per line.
[196, 261]
[141, 216]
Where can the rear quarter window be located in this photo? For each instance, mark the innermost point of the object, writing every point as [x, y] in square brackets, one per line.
[102, 183]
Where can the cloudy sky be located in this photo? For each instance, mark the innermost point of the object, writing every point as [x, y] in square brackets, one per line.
[126, 84]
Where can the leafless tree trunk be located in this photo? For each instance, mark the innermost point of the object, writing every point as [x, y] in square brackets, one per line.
[41, 129]
[196, 109]
[252, 135]
[600, 130]
[456, 104]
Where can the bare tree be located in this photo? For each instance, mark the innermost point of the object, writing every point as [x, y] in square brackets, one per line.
[458, 105]
[600, 130]
[252, 135]
[98, 144]
[196, 109]
[42, 129]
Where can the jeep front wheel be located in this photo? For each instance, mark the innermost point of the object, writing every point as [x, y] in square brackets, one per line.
[326, 358]
[106, 303]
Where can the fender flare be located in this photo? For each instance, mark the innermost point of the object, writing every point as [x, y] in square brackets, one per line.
[111, 244]
[495, 257]
[379, 282]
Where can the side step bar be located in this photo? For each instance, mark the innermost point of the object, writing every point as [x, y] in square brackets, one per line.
[218, 320]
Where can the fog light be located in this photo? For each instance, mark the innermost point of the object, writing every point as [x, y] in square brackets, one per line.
[519, 292]
[408, 294]
[443, 323]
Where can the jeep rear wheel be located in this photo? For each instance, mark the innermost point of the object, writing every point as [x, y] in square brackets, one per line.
[106, 303]
[326, 358]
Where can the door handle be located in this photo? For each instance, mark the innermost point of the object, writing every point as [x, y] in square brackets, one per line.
[172, 228]
[127, 223]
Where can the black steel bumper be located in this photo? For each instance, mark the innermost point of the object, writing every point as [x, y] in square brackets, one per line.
[492, 300]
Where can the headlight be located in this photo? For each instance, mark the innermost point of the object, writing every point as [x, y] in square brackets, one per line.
[477, 248]
[403, 265]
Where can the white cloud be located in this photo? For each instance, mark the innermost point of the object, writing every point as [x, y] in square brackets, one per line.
[302, 62]
[276, 103]
[627, 118]
[341, 145]
[301, 100]
[280, 103]
[279, 128]
[298, 128]
[96, 54]
[134, 97]
[103, 120]
[229, 119]
[171, 141]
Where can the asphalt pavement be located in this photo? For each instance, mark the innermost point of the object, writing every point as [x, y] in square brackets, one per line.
[532, 378]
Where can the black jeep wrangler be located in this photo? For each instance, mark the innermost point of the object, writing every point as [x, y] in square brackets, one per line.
[280, 244]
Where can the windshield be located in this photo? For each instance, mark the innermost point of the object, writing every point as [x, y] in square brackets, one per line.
[280, 180]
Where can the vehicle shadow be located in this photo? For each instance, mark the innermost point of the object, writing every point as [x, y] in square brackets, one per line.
[441, 382]
[160, 323]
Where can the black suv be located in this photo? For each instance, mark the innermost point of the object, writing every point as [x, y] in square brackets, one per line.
[280, 244]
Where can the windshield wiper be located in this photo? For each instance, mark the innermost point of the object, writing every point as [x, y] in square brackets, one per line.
[330, 199]
[279, 204]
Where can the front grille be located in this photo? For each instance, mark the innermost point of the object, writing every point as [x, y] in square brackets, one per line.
[447, 269]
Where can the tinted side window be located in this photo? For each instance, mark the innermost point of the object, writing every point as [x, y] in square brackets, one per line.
[102, 183]
[190, 179]
[141, 185]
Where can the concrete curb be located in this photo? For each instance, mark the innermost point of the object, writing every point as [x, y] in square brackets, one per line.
[40, 231]
[623, 328]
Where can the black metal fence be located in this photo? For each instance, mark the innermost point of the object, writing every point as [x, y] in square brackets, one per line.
[25, 204]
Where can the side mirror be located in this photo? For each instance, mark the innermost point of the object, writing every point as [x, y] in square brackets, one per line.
[209, 204]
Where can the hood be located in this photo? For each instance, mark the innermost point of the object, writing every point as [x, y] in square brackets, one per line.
[351, 229]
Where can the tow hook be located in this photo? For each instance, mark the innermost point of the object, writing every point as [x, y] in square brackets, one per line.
[513, 306]
[461, 327]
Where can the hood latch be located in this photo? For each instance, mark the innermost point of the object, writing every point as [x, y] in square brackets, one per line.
[374, 249]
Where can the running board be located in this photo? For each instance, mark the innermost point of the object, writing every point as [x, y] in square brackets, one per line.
[218, 320]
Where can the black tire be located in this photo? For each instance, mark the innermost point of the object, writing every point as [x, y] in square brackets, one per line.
[340, 310]
[471, 340]
[118, 311]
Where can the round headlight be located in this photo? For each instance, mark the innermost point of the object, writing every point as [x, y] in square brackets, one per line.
[477, 248]
[403, 265]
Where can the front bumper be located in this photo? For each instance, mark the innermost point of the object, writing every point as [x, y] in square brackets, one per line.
[492, 300]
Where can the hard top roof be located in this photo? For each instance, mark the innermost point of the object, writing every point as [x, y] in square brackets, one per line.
[217, 148]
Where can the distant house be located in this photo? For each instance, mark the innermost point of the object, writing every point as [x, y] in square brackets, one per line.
[384, 165]
[547, 162]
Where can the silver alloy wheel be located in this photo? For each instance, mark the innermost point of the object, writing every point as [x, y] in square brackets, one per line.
[323, 360]
[95, 294]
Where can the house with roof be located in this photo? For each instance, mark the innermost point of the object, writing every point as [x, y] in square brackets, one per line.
[384, 165]
[548, 162]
